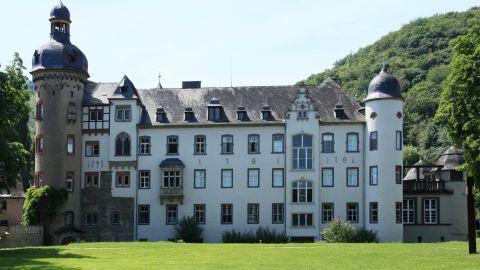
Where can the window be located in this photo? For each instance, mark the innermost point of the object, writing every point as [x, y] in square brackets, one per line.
[123, 179]
[144, 145]
[199, 179]
[302, 191]
[398, 174]
[409, 211]
[214, 114]
[3, 206]
[253, 144]
[143, 214]
[242, 115]
[91, 179]
[92, 149]
[171, 214]
[39, 110]
[352, 212]
[327, 212]
[171, 179]
[456, 176]
[144, 179]
[302, 152]
[200, 145]
[227, 178]
[374, 212]
[69, 182]
[278, 143]
[398, 140]
[327, 143]
[398, 212]
[352, 177]
[277, 177]
[352, 142]
[227, 144]
[95, 114]
[430, 211]
[226, 213]
[69, 218]
[123, 113]
[70, 145]
[373, 175]
[39, 145]
[302, 115]
[38, 181]
[253, 213]
[115, 218]
[373, 141]
[122, 145]
[91, 219]
[277, 213]
[253, 178]
[302, 220]
[327, 177]
[199, 213]
[172, 145]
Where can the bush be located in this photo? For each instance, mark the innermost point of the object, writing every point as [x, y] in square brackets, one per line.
[339, 231]
[187, 230]
[364, 235]
[261, 234]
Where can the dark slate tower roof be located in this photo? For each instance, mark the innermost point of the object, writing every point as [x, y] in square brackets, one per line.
[451, 159]
[59, 53]
[383, 86]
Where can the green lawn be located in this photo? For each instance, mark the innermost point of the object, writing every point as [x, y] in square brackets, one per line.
[164, 255]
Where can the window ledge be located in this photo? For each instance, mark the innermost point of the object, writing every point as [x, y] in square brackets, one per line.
[302, 170]
[302, 203]
[200, 154]
[278, 152]
[302, 227]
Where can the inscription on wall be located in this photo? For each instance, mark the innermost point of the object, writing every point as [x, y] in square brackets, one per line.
[336, 160]
[95, 164]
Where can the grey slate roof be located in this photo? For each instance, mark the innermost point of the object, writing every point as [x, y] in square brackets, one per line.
[253, 98]
[451, 159]
[60, 11]
[171, 162]
[384, 85]
[412, 173]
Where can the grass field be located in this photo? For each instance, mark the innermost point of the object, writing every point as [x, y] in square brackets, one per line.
[164, 255]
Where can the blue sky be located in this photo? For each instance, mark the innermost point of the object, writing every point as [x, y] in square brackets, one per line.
[270, 42]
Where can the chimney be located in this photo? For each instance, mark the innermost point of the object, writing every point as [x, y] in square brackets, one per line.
[191, 84]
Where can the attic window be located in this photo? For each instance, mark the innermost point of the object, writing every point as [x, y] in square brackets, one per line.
[214, 110]
[189, 115]
[161, 115]
[36, 56]
[266, 113]
[242, 114]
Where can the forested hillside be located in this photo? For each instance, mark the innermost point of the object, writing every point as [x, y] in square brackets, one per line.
[418, 55]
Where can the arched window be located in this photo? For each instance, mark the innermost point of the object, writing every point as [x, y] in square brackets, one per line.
[302, 191]
[302, 152]
[122, 145]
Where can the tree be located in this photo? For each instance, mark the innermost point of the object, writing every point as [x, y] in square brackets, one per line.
[42, 204]
[15, 138]
[188, 230]
[459, 107]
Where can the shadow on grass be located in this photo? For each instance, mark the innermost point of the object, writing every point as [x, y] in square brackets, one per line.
[36, 258]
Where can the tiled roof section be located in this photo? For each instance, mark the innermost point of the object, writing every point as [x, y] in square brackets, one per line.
[451, 159]
[279, 98]
[125, 89]
[98, 93]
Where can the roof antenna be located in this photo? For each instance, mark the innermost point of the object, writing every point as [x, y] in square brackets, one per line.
[231, 71]
[159, 81]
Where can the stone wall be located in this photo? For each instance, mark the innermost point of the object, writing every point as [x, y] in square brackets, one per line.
[99, 201]
[21, 236]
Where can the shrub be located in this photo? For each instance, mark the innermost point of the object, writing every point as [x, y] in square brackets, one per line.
[188, 231]
[261, 234]
[364, 235]
[339, 231]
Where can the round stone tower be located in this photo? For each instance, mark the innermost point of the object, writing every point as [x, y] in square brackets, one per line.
[383, 158]
[60, 72]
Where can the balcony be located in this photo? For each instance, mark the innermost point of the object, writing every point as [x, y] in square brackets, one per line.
[171, 195]
[415, 186]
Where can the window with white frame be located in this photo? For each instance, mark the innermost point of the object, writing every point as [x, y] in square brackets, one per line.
[302, 219]
[253, 178]
[226, 213]
[253, 144]
[70, 145]
[143, 214]
[123, 179]
[227, 144]
[374, 212]
[200, 144]
[278, 213]
[352, 142]
[398, 140]
[327, 143]
[409, 211]
[69, 182]
[95, 114]
[123, 113]
[373, 141]
[172, 214]
[199, 178]
[327, 177]
[253, 213]
[277, 177]
[302, 152]
[327, 212]
[352, 177]
[430, 214]
[144, 145]
[227, 178]
[373, 175]
[199, 213]
[92, 179]
[352, 212]
[278, 143]
[171, 179]
[92, 148]
[302, 191]
[144, 179]
[172, 145]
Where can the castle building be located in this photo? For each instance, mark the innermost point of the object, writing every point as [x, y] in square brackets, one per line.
[135, 161]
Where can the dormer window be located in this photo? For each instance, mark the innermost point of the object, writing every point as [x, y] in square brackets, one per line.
[190, 115]
[242, 114]
[161, 115]
[266, 113]
[36, 57]
[214, 110]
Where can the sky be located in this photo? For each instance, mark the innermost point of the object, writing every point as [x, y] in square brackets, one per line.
[243, 43]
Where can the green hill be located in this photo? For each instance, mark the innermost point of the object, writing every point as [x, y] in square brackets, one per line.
[418, 55]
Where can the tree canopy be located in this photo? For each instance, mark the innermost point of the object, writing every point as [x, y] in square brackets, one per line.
[15, 140]
[459, 109]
